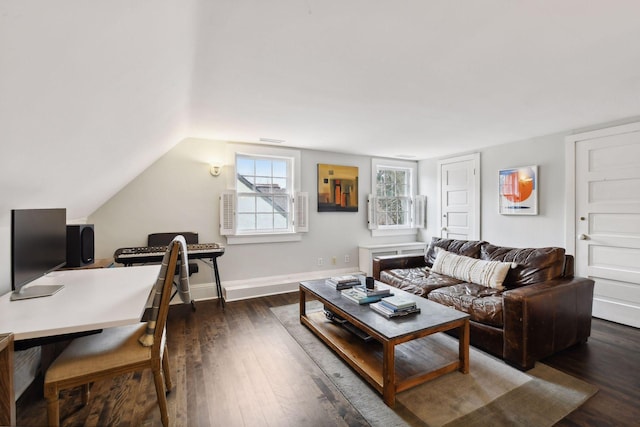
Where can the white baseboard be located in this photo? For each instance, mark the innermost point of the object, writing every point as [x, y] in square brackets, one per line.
[235, 290]
[616, 311]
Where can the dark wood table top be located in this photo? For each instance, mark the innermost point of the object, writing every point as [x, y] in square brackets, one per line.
[431, 314]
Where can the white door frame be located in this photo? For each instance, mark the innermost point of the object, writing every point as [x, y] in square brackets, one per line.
[475, 157]
[570, 176]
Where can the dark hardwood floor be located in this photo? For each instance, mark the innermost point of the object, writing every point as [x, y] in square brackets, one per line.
[611, 361]
[241, 368]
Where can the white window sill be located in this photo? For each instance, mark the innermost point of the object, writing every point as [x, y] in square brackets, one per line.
[263, 238]
[394, 232]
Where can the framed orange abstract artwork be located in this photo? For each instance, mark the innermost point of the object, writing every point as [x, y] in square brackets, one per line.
[337, 188]
[518, 191]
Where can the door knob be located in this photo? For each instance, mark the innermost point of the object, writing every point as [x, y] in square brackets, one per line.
[583, 237]
[444, 228]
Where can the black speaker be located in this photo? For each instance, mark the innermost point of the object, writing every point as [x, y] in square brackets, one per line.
[80, 245]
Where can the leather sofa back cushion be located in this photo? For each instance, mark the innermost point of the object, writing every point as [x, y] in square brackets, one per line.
[470, 248]
[472, 270]
[419, 281]
[534, 265]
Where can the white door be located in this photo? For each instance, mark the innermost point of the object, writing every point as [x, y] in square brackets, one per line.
[459, 207]
[607, 220]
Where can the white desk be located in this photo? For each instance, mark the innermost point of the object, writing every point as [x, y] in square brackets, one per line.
[91, 299]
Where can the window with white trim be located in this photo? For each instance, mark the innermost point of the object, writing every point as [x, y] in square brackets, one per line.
[263, 205]
[263, 191]
[394, 206]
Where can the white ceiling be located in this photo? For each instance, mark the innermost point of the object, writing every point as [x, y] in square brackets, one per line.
[422, 78]
[92, 93]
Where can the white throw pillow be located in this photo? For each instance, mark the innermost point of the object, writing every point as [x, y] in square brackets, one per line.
[473, 270]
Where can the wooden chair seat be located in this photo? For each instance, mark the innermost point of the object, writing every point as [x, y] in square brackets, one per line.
[95, 354]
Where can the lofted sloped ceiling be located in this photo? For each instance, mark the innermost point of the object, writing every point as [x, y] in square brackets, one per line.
[414, 77]
[91, 93]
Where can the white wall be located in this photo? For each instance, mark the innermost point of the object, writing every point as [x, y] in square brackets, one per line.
[177, 193]
[548, 227]
[544, 229]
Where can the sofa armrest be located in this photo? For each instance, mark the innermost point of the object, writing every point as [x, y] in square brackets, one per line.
[546, 317]
[388, 262]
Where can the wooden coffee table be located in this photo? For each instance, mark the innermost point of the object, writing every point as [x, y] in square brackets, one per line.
[392, 361]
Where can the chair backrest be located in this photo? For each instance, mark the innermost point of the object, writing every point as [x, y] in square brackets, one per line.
[162, 294]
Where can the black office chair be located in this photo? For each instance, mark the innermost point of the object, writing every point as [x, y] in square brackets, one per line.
[164, 239]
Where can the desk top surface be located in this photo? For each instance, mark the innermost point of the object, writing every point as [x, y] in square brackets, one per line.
[91, 299]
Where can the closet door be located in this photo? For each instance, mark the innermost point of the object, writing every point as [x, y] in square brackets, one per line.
[607, 220]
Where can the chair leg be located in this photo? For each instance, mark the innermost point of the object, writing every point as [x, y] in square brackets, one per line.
[165, 369]
[162, 398]
[53, 404]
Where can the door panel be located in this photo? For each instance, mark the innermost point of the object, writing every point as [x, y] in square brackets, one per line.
[615, 224]
[458, 219]
[608, 222]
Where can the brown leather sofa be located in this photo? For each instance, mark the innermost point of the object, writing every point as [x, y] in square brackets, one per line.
[542, 309]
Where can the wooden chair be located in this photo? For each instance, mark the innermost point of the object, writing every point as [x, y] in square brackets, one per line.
[118, 350]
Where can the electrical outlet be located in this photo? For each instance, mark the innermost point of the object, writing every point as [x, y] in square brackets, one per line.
[333, 260]
[347, 259]
[320, 261]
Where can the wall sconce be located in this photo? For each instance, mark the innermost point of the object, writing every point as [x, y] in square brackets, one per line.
[215, 169]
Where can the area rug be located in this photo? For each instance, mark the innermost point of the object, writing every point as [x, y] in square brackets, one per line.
[493, 393]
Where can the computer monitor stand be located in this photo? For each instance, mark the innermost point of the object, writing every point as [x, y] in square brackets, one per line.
[35, 291]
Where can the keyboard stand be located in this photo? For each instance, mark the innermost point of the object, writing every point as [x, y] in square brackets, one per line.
[216, 277]
[125, 256]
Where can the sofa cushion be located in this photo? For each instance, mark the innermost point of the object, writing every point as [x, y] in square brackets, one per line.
[470, 248]
[481, 303]
[472, 270]
[419, 281]
[534, 265]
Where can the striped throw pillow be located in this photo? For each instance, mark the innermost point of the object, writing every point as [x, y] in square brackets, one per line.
[472, 270]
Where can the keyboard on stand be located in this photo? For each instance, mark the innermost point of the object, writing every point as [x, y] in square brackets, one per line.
[142, 254]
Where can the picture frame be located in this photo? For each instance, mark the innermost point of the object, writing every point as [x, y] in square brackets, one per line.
[337, 188]
[518, 191]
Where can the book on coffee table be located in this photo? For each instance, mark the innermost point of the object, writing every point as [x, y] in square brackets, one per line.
[359, 296]
[384, 310]
[398, 302]
[343, 282]
[378, 290]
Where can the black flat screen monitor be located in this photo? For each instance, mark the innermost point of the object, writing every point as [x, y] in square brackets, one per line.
[38, 246]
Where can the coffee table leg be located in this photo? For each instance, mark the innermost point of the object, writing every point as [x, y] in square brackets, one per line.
[388, 374]
[303, 305]
[464, 347]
